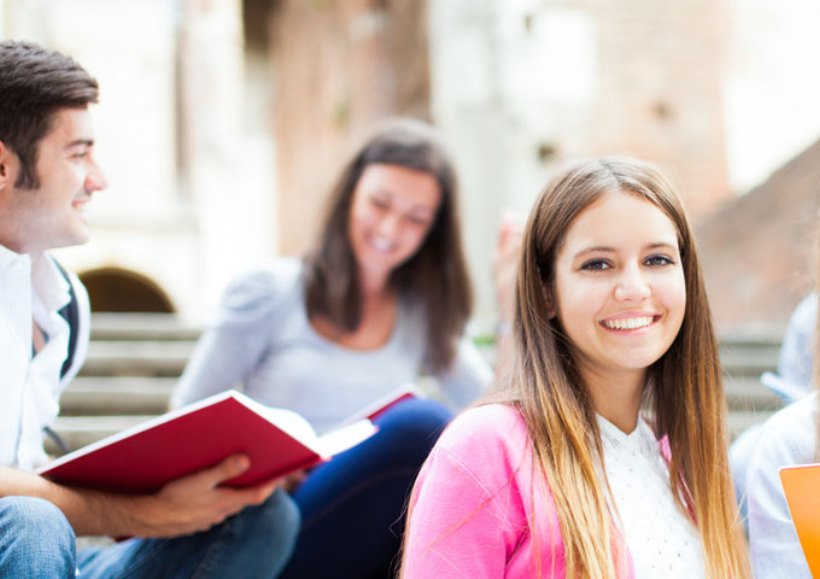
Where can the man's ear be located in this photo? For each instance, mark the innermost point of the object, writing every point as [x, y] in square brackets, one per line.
[5, 166]
[549, 300]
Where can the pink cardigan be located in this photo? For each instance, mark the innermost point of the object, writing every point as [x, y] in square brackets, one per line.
[474, 500]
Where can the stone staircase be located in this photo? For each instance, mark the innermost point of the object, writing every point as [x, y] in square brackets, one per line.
[134, 361]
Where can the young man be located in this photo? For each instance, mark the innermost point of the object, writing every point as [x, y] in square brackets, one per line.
[190, 527]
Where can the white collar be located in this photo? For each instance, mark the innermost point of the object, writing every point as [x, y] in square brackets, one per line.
[51, 287]
[7, 257]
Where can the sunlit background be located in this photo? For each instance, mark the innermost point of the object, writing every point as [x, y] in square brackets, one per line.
[222, 124]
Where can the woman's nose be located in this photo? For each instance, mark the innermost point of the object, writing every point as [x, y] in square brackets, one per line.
[632, 286]
[389, 225]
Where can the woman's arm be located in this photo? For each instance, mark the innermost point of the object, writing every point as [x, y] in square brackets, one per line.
[453, 525]
[472, 506]
[235, 343]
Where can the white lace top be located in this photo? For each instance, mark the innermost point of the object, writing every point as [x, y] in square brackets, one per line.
[662, 541]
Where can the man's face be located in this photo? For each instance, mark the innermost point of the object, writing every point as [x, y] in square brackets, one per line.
[53, 215]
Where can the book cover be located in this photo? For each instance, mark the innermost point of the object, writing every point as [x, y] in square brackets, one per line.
[800, 484]
[144, 458]
[380, 406]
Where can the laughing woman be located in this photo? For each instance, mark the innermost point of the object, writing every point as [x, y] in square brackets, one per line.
[382, 298]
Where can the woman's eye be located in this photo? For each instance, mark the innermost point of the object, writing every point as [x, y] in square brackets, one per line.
[596, 265]
[379, 203]
[420, 221]
[658, 260]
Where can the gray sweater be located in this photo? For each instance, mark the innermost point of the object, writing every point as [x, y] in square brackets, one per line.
[263, 344]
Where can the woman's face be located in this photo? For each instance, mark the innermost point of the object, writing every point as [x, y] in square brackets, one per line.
[619, 288]
[391, 213]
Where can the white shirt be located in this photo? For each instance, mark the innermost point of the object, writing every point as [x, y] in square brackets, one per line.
[787, 438]
[663, 542]
[30, 387]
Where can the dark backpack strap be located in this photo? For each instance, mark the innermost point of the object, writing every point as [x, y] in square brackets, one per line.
[71, 314]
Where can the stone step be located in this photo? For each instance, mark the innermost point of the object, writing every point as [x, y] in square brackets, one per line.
[740, 420]
[138, 326]
[749, 394]
[96, 396]
[119, 357]
[738, 360]
[136, 358]
[80, 431]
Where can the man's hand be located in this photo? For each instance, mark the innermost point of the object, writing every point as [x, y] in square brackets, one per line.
[294, 480]
[196, 502]
[184, 506]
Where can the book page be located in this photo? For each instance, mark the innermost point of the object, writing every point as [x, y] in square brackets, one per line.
[344, 438]
[291, 422]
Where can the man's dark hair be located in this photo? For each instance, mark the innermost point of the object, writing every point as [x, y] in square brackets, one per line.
[34, 84]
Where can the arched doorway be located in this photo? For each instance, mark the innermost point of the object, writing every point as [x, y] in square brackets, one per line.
[113, 289]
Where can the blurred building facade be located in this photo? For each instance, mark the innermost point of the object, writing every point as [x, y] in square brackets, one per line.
[223, 122]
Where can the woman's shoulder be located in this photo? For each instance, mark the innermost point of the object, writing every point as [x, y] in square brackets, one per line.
[261, 291]
[487, 433]
[479, 417]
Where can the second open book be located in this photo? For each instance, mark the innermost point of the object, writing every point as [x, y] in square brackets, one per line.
[144, 458]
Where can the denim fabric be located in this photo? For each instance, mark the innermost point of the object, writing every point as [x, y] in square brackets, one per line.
[35, 539]
[254, 543]
[353, 506]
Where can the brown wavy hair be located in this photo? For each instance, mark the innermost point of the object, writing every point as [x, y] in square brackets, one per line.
[683, 394]
[436, 275]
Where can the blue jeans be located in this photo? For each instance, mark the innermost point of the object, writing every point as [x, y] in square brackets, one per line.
[35, 539]
[353, 506]
[254, 543]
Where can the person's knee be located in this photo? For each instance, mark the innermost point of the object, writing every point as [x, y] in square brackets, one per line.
[282, 514]
[417, 422]
[271, 528]
[36, 536]
[34, 520]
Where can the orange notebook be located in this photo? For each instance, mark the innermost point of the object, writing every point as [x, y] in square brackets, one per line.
[144, 458]
[801, 484]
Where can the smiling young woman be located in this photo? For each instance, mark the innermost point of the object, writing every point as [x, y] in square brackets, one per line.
[383, 297]
[606, 456]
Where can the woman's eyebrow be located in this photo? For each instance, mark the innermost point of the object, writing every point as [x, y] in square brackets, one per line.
[609, 249]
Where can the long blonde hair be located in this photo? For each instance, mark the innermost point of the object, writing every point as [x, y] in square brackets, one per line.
[683, 393]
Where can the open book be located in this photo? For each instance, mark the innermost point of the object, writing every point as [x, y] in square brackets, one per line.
[385, 403]
[144, 458]
[800, 483]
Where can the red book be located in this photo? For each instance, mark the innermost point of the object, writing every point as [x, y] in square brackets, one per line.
[385, 403]
[144, 458]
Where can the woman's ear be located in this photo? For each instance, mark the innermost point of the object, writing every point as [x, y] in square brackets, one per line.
[549, 300]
